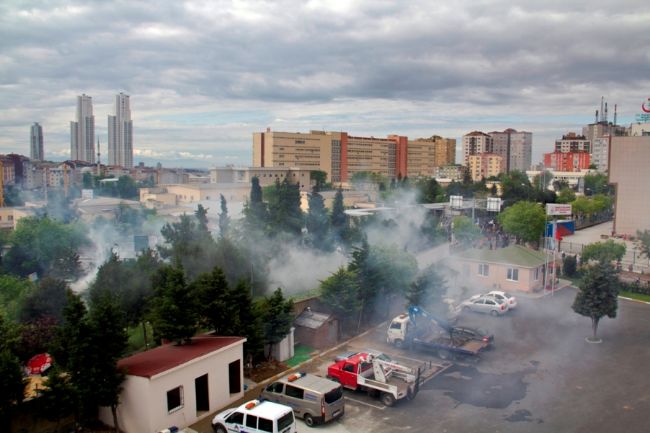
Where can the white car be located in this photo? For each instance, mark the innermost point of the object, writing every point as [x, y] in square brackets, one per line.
[508, 298]
[485, 304]
[256, 417]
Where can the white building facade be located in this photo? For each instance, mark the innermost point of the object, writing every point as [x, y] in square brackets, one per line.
[82, 131]
[120, 133]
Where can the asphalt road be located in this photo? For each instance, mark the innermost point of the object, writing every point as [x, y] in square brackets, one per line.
[542, 376]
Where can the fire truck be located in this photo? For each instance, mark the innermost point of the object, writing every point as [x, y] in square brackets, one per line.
[376, 374]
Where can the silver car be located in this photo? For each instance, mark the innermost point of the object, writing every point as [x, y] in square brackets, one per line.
[485, 304]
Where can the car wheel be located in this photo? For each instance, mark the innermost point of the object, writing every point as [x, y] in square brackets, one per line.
[399, 343]
[309, 420]
[218, 428]
[387, 399]
[494, 313]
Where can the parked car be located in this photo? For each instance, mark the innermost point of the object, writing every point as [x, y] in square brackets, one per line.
[473, 334]
[256, 417]
[508, 298]
[485, 304]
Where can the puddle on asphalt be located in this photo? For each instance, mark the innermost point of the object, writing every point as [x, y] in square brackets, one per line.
[467, 385]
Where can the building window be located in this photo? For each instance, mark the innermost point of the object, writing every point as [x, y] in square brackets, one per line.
[174, 399]
[483, 269]
[513, 274]
[234, 376]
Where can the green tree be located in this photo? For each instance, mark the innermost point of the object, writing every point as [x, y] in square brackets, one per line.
[569, 266]
[284, 208]
[338, 219]
[524, 220]
[189, 246]
[603, 252]
[340, 292]
[427, 290]
[87, 180]
[201, 215]
[58, 398]
[13, 291]
[256, 214]
[429, 190]
[173, 309]
[317, 222]
[224, 219]
[598, 295]
[11, 377]
[214, 306]
[319, 178]
[465, 231]
[277, 317]
[48, 300]
[597, 183]
[45, 246]
[515, 187]
[126, 188]
[102, 382]
[566, 195]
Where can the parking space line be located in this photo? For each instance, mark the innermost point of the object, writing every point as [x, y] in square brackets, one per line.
[366, 404]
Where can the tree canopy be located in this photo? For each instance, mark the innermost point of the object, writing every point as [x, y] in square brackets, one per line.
[598, 294]
[525, 220]
[603, 252]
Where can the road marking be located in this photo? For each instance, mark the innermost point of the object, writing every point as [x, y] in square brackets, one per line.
[366, 404]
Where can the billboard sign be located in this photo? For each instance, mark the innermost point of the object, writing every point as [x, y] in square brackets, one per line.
[87, 194]
[456, 201]
[645, 116]
[558, 209]
[493, 204]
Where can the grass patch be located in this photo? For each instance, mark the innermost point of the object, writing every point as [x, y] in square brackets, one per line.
[632, 295]
[300, 354]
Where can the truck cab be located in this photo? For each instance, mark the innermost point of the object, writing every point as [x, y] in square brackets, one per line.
[346, 371]
[398, 330]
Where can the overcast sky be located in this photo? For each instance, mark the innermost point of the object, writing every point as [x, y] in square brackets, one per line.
[204, 75]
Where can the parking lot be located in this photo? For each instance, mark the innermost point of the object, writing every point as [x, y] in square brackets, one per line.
[541, 376]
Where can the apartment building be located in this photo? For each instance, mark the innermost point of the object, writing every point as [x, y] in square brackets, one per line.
[425, 155]
[474, 143]
[572, 142]
[567, 161]
[629, 159]
[484, 165]
[515, 147]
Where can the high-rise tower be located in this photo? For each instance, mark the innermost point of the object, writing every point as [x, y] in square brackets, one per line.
[120, 133]
[36, 142]
[82, 132]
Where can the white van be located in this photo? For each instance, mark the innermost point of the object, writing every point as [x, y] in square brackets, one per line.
[256, 417]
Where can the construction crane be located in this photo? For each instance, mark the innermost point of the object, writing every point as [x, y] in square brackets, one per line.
[2, 184]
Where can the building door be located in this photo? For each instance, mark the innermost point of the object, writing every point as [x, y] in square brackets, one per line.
[234, 376]
[202, 397]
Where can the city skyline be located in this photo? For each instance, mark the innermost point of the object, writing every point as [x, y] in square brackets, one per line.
[205, 77]
[120, 133]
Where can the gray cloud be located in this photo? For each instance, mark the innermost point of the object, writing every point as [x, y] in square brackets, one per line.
[414, 68]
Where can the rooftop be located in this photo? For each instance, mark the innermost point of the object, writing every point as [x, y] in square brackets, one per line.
[311, 319]
[169, 356]
[511, 255]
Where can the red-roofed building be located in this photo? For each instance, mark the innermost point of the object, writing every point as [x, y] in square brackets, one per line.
[178, 385]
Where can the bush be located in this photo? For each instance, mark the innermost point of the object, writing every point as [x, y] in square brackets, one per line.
[569, 266]
[640, 287]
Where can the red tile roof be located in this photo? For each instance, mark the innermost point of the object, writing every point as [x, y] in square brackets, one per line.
[168, 356]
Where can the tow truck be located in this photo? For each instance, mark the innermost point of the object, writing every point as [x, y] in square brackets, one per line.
[376, 374]
[435, 335]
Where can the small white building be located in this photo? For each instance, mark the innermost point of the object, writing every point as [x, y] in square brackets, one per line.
[179, 385]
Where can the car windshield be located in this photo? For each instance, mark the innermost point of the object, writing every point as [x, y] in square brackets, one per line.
[285, 421]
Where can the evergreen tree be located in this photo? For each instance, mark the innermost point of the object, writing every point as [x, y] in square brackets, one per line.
[255, 211]
[224, 219]
[173, 310]
[250, 319]
[201, 215]
[11, 376]
[598, 295]
[284, 208]
[103, 380]
[47, 300]
[427, 290]
[277, 316]
[340, 292]
[214, 306]
[338, 218]
[317, 221]
[58, 397]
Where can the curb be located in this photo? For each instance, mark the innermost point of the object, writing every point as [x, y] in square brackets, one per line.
[634, 300]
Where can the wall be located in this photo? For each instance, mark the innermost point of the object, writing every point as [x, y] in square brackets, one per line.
[144, 401]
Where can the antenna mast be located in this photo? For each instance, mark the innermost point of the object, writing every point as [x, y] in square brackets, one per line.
[602, 102]
[98, 159]
[615, 105]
